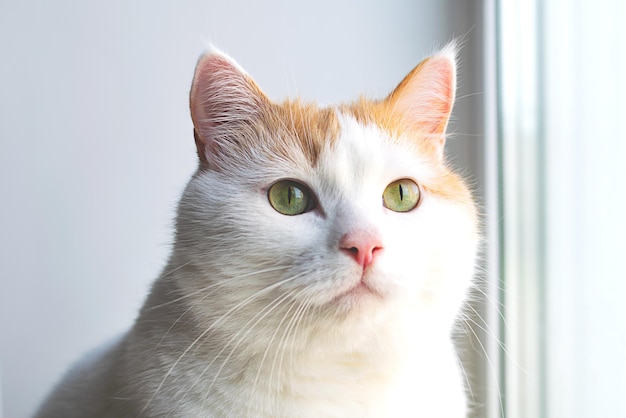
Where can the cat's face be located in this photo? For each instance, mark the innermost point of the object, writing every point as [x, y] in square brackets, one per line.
[346, 211]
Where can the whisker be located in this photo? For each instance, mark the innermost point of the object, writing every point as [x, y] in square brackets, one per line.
[270, 344]
[299, 315]
[170, 328]
[206, 331]
[487, 330]
[281, 346]
[259, 316]
[465, 96]
[268, 309]
[189, 308]
[491, 368]
[174, 270]
[220, 283]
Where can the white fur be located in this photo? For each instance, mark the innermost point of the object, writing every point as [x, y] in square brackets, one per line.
[249, 318]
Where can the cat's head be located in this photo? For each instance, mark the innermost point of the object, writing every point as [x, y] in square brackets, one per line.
[346, 210]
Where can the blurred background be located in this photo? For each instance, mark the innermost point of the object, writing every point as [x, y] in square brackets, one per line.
[96, 146]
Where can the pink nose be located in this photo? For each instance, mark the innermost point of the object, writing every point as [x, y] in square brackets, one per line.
[361, 246]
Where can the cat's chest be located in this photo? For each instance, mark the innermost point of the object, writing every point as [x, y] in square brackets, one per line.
[310, 396]
[354, 386]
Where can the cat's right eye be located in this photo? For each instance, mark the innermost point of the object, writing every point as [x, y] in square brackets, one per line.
[290, 198]
[401, 195]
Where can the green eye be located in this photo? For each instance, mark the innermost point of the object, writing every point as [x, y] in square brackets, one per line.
[401, 195]
[289, 198]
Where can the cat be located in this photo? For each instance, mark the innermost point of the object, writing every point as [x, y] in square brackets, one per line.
[321, 258]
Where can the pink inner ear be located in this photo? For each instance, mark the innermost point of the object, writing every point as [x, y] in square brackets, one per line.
[218, 87]
[423, 100]
[222, 97]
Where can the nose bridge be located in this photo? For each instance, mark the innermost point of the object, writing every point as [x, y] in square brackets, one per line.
[354, 216]
[357, 234]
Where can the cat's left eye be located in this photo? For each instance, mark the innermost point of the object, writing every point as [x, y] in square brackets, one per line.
[401, 195]
[290, 198]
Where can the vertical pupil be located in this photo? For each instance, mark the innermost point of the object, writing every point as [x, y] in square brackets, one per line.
[400, 190]
[289, 194]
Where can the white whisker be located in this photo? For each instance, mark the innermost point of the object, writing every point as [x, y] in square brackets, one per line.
[206, 331]
[262, 314]
[220, 283]
[270, 344]
[280, 349]
[492, 369]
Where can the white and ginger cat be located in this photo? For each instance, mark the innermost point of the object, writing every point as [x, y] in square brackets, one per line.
[322, 255]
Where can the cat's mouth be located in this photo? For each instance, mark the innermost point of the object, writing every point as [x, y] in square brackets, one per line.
[359, 292]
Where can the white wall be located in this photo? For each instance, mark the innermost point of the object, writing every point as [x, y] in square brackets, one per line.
[96, 141]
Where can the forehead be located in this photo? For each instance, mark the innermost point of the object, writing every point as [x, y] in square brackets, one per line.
[362, 127]
[358, 149]
[302, 127]
[340, 148]
[366, 155]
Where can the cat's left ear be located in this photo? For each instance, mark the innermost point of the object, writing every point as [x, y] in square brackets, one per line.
[223, 100]
[423, 101]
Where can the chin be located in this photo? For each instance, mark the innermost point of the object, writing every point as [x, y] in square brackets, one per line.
[361, 302]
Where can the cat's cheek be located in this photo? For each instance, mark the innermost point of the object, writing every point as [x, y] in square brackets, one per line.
[447, 258]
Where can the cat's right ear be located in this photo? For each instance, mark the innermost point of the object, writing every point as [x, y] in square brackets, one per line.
[423, 101]
[223, 98]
